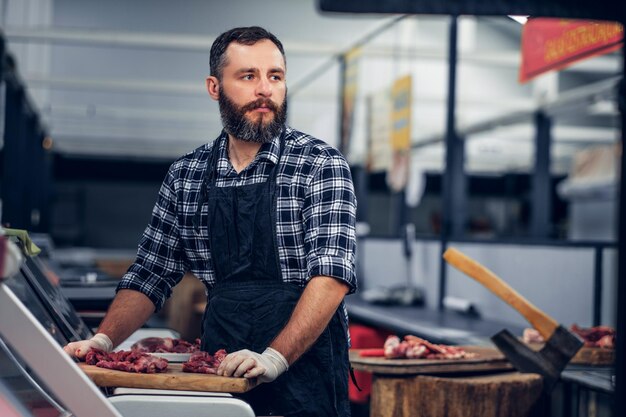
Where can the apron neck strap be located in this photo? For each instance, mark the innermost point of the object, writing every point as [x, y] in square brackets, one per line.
[210, 173]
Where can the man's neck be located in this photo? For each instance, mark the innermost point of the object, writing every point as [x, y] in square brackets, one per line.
[241, 153]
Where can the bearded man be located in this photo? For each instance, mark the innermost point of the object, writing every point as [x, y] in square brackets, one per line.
[264, 216]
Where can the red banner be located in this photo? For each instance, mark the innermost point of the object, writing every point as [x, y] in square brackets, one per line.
[551, 44]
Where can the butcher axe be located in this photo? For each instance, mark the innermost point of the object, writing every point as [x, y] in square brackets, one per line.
[561, 344]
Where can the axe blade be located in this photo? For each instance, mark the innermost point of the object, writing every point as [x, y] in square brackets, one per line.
[548, 362]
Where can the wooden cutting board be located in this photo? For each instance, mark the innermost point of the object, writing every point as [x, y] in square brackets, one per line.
[487, 359]
[174, 378]
[594, 356]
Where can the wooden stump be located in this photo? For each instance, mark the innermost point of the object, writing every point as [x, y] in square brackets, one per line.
[181, 307]
[510, 394]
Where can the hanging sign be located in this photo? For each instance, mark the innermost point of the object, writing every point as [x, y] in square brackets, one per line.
[401, 114]
[350, 84]
[379, 131]
[401, 99]
[551, 44]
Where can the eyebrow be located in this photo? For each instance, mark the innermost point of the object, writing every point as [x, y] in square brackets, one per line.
[255, 70]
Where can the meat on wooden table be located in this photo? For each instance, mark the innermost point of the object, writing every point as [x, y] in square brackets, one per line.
[596, 336]
[413, 347]
[204, 363]
[126, 360]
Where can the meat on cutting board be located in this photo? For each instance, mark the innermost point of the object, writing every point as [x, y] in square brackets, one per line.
[165, 345]
[127, 361]
[204, 363]
[597, 336]
[413, 347]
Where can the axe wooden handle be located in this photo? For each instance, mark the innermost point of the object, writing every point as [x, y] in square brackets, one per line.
[540, 320]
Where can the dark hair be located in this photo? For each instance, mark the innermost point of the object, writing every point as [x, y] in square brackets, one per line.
[243, 35]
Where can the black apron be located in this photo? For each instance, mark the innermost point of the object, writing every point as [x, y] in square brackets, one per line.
[250, 304]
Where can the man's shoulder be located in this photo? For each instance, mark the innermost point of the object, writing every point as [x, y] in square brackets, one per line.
[306, 144]
[192, 160]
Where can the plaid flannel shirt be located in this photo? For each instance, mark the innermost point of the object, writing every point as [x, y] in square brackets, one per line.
[315, 221]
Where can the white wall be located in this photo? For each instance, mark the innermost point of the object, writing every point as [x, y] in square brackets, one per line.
[145, 101]
[558, 280]
[383, 265]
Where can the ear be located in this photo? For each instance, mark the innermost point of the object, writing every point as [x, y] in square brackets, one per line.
[213, 87]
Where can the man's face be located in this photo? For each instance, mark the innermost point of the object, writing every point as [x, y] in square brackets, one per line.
[252, 92]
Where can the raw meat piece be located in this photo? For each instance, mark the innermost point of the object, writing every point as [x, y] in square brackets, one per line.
[413, 347]
[204, 363]
[607, 342]
[165, 345]
[126, 360]
[598, 336]
[434, 351]
[394, 348]
[532, 336]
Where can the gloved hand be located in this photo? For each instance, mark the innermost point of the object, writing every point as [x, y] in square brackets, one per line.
[267, 366]
[79, 349]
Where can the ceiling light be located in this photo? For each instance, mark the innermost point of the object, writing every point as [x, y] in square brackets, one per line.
[519, 19]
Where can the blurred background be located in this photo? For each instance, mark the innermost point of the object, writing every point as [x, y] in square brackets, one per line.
[101, 97]
[118, 89]
[454, 132]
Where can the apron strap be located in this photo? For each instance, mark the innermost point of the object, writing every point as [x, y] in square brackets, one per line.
[353, 378]
[208, 170]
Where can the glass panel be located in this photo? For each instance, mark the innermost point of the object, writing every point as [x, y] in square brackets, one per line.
[24, 292]
[46, 285]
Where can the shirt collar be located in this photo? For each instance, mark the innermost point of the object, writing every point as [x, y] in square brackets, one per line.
[268, 151]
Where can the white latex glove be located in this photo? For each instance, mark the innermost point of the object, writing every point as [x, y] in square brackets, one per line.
[266, 366]
[79, 349]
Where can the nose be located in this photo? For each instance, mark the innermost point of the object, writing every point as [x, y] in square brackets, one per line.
[264, 87]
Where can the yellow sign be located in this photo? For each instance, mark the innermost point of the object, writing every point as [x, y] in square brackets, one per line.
[401, 99]
[401, 114]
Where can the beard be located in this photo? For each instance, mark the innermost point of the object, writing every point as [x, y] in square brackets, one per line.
[238, 125]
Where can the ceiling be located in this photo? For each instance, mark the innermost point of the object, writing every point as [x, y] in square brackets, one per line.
[126, 79]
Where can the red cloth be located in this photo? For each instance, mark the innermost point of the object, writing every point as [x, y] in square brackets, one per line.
[364, 337]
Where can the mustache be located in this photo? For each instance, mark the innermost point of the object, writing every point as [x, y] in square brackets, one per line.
[261, 102]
